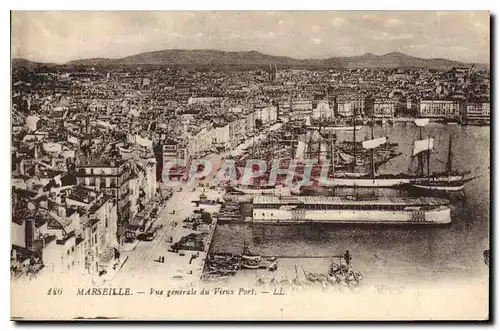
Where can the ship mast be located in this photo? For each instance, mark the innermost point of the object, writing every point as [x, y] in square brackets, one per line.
[333, 142]
[309, 143]
[373, 154]
[354, 136]
[319, 146]
[420, 159]
[335, 160]
[319, 142]
[450, 157]
[428, 158]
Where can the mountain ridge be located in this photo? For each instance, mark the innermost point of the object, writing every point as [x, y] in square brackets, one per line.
[213, 57]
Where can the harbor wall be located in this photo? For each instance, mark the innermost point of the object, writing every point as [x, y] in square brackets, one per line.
[346, 216]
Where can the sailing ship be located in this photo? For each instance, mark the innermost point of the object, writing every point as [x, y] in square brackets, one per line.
[337, 127]
[433, 183]
[251, 260]
[373, 179]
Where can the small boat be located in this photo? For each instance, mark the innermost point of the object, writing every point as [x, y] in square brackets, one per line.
[443, 184]
[273, 266]
[249, 265]
[249, 256]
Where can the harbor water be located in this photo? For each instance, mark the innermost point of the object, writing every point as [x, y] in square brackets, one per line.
[397, 255]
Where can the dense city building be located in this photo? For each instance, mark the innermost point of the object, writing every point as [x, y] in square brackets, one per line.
[439, 108]
[90, 146]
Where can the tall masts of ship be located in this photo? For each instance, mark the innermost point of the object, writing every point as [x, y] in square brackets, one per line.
[372, 144]
[428, 158]
[419, 146]
[309, 145]
[373, 154]
[319, 150]
[354, 138]
[423, 146]
[332, 139]
[449, 165]
[319, 142]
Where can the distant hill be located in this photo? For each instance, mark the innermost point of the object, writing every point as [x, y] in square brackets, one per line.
[217, 58]
[98, 61]
[23, 63]
[391, 60]
[206, 57]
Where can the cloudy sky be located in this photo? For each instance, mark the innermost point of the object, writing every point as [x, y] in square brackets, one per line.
[63, 36]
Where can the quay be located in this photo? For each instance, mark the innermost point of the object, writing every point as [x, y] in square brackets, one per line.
[182, 267]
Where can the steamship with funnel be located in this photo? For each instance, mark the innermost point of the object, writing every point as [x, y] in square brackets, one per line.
[350, 210]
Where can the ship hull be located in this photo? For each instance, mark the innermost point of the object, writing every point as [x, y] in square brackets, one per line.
[264, 191]
[440, 188]
[385, 182]
[348, 216]
[270, 191]
[365, 182]
[337, 128]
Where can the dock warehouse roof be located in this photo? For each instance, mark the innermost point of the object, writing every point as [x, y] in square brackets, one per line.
[320, 200]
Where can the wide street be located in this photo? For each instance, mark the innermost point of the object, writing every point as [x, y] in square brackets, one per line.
[142, 266]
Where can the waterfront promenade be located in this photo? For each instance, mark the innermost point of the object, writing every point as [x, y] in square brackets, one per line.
[142, 261]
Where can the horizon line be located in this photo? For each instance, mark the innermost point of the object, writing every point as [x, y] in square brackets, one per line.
[248, 51]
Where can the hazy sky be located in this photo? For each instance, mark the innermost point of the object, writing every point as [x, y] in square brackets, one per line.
[63, 36]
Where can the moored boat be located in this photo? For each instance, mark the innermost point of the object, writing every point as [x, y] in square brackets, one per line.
[248, 255]
[452, 181]
[250, 265]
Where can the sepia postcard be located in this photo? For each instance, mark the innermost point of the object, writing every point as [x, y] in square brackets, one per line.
[250, 165]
